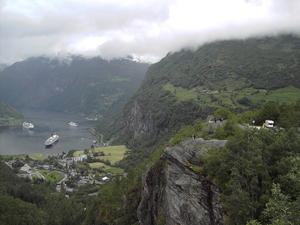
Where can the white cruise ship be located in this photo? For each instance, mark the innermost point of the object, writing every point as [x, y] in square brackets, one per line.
[73, 124]
[51, 140]
[28, 125]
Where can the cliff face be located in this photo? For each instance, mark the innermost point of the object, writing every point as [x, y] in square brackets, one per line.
[175, 194]
[139, 123]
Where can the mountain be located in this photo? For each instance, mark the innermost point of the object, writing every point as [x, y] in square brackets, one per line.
[189, 85]
[2, 66]
[91, 87]
[9, 115]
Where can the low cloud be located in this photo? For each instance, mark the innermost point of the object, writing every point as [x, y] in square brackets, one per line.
[145, 29]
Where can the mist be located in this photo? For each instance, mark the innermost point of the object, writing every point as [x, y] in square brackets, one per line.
[147, 30]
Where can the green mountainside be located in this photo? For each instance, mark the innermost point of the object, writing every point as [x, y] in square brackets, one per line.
[189, 85]
[91, 87]
[9, 115]
[257, 170]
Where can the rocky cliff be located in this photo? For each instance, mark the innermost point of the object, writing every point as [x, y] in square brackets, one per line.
[139, 123]
[174, 193]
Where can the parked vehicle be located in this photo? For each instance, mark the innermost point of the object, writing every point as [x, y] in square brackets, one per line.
[268, 124]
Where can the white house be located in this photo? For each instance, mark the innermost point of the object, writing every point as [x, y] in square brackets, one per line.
[26, 168]
[105, 179]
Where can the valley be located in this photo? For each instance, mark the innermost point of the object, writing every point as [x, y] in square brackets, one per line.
[161, 125]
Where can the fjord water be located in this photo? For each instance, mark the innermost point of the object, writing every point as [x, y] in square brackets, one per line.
[18, 140]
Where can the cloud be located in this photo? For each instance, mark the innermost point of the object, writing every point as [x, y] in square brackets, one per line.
[147, 29]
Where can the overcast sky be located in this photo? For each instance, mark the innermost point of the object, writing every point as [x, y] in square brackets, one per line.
[147, 29]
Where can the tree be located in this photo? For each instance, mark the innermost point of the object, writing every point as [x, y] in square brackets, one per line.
[246, 168]
[220, 133]
[289, 116]
[280, 210]
[268, 111]
[15, 211]
[223, 112]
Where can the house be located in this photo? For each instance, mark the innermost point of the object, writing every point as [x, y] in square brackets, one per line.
[43, 167]
[25, 169]
[105, 179]
[79, 158]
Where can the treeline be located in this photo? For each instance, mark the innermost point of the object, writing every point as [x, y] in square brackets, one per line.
[253, 163]
[285, 115]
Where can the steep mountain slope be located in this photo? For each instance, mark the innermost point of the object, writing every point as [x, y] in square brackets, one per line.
[186, 85]
[9, 115]
[76, 85]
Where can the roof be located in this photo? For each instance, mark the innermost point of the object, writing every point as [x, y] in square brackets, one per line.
[26, 168]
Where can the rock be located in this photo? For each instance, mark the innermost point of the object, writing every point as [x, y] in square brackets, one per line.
[175, 194]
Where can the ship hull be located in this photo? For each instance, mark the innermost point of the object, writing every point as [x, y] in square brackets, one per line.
[51, 141]
[73, 124]
[50, 145]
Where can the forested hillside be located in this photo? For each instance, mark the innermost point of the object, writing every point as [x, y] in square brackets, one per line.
[189, 85]
[257, 171]
[9, 115]
[35, 202]
[92, 87]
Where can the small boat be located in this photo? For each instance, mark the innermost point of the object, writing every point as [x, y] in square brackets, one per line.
[51, 140]
[73, 124]
[28, 125]
[89, 118]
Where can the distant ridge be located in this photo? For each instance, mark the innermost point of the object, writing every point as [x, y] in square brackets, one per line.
[73, 84]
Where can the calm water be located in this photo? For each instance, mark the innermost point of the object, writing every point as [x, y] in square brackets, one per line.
[18, 140]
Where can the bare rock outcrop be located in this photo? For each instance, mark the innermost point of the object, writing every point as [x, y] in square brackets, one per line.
[175, 194]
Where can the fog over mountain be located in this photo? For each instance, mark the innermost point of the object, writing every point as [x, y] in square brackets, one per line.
[145, 29]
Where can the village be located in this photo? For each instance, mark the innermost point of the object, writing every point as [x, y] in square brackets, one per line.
[68, 172]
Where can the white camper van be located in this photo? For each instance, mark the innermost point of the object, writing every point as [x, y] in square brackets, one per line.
[268, 124]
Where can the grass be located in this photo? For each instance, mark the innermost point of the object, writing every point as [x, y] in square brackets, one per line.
[112, 153]
[38, 156]
[20, 156]
[230, 99]
[287, 94]
[51, 176]
[106, 168]
[23, 156]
